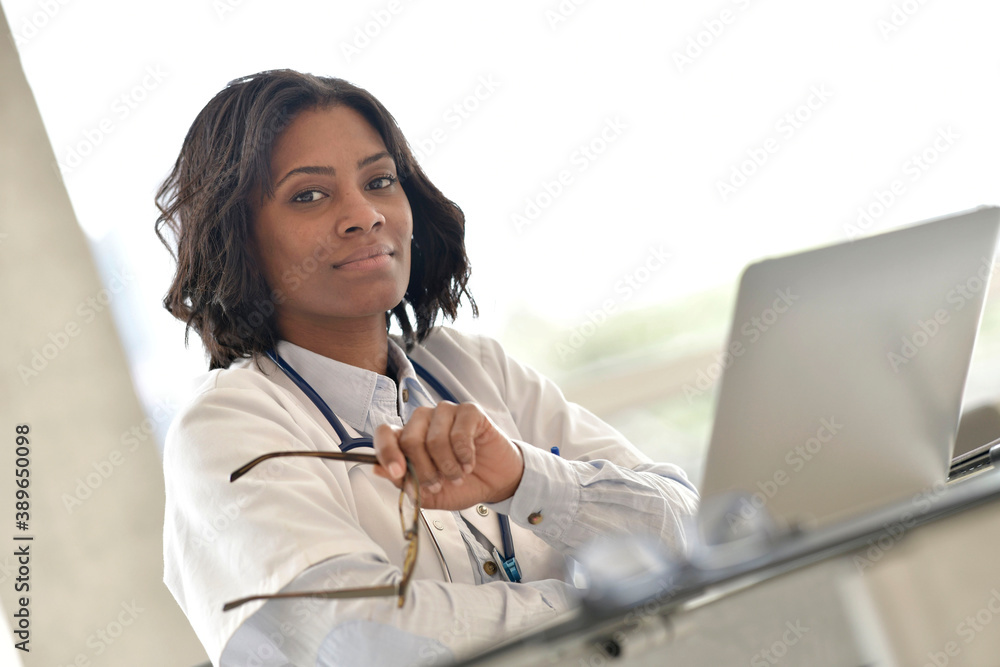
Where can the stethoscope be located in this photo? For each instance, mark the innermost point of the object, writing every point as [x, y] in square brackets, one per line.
[507, 560]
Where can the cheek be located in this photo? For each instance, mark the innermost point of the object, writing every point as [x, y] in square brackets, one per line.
[277, 257]
[408, 263]
[407, 244]
[267, 258]
[404, 214]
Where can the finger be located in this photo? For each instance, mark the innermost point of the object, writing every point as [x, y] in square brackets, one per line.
[468, 422]
[390, 456]
[379, 471]
[439, 442]
[413, 443]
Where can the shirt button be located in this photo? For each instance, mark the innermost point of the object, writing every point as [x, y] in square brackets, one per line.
[406, 395]
[439, 524]
[535, 518]
[483, 510]
[490, 568]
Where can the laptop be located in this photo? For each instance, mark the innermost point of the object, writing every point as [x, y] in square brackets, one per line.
[844, 372]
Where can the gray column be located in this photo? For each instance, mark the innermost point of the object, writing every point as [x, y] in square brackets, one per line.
[96, 496]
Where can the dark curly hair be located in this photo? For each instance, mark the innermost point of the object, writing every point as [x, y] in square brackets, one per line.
[205, 202]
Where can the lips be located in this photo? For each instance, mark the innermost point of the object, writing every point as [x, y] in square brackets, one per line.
[374, 255]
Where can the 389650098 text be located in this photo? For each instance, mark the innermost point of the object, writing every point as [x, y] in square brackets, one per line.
[22, 473]
[21, 625]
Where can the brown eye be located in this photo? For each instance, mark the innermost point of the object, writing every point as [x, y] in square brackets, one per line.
[308, 196]
[382, 182]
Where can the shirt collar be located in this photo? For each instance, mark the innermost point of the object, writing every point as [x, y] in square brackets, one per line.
[349, 390]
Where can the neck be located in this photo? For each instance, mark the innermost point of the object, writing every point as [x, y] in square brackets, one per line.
[359, 342]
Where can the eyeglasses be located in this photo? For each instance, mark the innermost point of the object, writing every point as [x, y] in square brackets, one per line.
[410, 533]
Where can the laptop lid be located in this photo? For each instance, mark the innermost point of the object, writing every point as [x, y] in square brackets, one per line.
[845, 372]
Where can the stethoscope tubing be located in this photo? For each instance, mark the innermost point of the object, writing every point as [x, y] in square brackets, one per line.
[348, 443]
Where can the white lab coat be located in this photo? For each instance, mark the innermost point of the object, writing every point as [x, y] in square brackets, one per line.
[225, 540]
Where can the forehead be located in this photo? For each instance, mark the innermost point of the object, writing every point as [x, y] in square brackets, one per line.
[324, 137]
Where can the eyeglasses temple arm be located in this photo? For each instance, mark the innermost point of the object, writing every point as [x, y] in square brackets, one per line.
[337, 456]
[375, 591]
[410, 534]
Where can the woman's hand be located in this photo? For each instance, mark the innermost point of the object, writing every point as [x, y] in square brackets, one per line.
[461, 458]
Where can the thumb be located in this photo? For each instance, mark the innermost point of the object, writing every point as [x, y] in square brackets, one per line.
[387, 451]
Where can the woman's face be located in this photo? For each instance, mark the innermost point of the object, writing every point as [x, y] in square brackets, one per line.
[334, 240]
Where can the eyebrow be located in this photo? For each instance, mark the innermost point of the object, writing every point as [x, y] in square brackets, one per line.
[330, 171]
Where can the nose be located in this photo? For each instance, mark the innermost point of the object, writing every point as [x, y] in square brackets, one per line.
[358, 214]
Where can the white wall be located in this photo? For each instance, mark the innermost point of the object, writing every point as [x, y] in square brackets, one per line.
[96, 501]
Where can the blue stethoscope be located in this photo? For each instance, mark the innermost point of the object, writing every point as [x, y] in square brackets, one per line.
[347, 443]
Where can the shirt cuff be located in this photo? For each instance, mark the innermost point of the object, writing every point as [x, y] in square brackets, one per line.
[548, 497]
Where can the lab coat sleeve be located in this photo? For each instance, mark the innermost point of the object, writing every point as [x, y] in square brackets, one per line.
[440, 621]
[293, 526]
[599, 486]
[222, 540]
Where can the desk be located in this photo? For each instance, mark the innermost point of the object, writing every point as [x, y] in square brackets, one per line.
[915, 584]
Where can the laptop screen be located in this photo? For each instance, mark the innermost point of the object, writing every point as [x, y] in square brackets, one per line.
[845, 384]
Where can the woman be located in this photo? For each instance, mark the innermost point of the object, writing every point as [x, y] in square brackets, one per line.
[302, 226]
